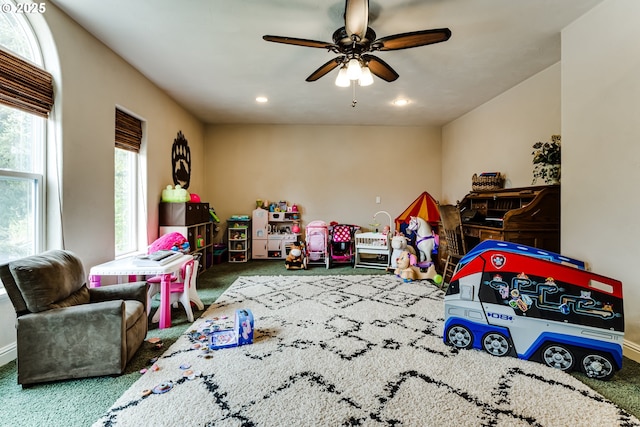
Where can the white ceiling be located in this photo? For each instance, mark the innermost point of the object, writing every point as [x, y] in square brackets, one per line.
[209, 54]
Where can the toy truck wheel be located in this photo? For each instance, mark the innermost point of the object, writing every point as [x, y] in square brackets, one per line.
[496, 344]
[597, 366]
[559, 357]
[460, 337]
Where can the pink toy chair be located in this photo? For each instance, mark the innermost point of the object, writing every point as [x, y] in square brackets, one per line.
[183, 291]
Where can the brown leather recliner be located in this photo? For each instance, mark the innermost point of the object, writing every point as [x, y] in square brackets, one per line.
[65, 329]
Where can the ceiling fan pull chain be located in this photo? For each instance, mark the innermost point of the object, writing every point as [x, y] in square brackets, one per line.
[353, 98]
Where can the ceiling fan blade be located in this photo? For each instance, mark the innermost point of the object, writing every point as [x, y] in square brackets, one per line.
[380, 68]
[325, 68]
[412, 39]
[356, 17]
[300, 42]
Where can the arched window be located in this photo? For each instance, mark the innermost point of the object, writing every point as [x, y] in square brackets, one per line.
[22, 144]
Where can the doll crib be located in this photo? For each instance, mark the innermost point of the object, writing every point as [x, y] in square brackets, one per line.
[375, 246]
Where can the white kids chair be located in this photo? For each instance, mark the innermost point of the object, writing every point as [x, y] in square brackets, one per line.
[181, 290]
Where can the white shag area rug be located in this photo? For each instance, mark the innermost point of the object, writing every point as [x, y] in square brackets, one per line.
[350, 351]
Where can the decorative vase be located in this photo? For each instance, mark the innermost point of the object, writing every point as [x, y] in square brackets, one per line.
[549, 174]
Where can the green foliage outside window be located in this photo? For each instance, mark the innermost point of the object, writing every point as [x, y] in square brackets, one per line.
[17, 193]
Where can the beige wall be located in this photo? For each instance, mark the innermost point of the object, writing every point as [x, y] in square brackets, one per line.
[334, 173]
[601, 152]
[90, 82]
[600, 132]
[498, 136]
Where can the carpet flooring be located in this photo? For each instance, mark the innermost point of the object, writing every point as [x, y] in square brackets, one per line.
[355, 350]
[79, 403]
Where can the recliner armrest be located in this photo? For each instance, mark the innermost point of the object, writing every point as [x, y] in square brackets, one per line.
[125, 291]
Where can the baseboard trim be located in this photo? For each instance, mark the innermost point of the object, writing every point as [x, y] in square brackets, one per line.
[8, 353]
[631, 350]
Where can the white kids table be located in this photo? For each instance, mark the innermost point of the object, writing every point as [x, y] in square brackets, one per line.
[128, 267]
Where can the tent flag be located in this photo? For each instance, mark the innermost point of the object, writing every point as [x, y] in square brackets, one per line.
[424, 207]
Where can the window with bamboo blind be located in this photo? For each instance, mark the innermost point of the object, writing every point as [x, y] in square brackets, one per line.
[24, 85]
[128, 139]
[26, 99]
[128, 131]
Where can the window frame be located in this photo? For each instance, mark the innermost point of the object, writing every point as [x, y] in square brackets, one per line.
[131, 191]
[38, 202]
[39, 127]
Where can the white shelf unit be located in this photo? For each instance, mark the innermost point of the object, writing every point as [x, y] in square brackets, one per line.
[200, 237]
[238, 241]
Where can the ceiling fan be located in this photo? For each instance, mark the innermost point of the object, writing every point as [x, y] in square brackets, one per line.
[354, 42]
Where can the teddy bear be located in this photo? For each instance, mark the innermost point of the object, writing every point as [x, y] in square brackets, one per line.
[295, 259]
[407, 269]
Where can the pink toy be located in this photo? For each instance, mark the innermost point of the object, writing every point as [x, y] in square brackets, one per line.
[195, 198]
[408, 271]
[170, 241]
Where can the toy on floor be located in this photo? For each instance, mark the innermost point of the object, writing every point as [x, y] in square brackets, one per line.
[241, 334]
[342, 243]
[295, 259]
[317, 241]
[515, 300]
[399, 244]
[408, 271]
[425, 239]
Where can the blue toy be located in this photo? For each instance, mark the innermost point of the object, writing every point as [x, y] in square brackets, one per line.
[241, 334]
[515, 300]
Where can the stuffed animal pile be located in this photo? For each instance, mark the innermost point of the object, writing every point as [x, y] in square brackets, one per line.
[399, 244]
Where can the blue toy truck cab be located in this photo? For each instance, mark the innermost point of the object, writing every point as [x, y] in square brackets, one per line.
[515, 300]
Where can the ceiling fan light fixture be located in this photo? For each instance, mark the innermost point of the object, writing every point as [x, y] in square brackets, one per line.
[342, 80]
[354, 70]
[366, 78]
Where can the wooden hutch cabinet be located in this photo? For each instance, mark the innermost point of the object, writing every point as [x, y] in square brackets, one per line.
[526, 215]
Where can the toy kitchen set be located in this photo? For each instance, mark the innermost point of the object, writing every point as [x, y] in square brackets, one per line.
[274, 229]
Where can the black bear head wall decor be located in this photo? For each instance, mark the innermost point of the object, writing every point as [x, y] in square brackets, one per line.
[181, 161]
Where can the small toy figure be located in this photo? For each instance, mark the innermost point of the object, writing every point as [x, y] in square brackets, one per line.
[295, 259]
[408, 270]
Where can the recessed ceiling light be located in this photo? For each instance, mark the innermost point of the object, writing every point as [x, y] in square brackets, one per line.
[400, 102]
[262, 99]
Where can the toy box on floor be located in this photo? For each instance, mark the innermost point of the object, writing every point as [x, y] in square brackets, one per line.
[240, 334]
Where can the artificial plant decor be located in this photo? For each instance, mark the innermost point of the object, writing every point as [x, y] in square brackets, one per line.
[546, 161]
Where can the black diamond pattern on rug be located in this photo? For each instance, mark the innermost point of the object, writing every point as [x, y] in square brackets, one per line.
[350, 351]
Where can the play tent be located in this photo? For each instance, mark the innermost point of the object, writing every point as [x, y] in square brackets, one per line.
[424, 207]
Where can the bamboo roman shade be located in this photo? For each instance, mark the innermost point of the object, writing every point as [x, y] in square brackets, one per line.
[24, 85]
[128, 131]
